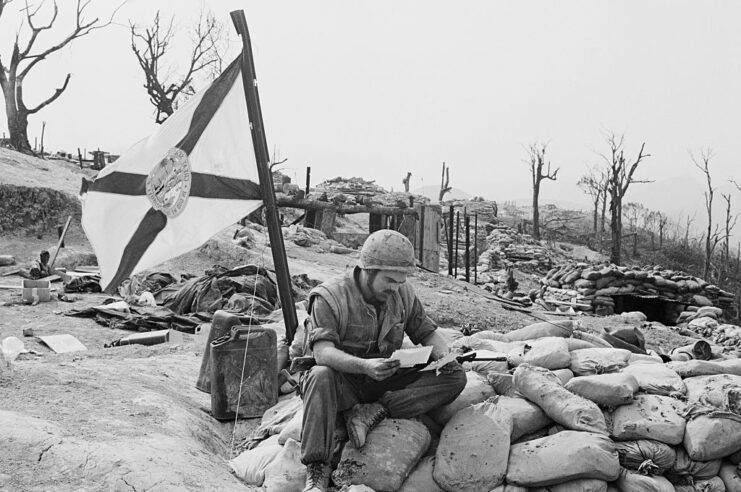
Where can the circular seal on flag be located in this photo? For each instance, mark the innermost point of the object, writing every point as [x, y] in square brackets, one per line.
[168, 184]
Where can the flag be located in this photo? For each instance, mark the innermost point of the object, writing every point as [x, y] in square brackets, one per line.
[175, 189]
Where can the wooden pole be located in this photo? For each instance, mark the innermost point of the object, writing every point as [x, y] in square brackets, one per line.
[308, 180]
[79, 156]
[467, 221]
[475, 248]
[59, 243]
[449, 240]
[262, 157]
[457, 235]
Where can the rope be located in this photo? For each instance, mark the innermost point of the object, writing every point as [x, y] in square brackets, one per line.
[261, 264]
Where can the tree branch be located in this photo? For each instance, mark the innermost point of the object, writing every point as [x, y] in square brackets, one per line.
[58, 92]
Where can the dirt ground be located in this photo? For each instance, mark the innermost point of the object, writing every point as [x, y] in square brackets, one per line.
[129, 418]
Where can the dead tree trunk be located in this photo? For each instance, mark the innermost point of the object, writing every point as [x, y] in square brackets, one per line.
[445, 182]
[536, 162]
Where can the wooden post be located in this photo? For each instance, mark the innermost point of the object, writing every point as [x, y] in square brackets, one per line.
[60, 243]
[422, 235]
[308, 180]
[79, 156]
[449, 240]
[475, 248]
[457, 236]
[467, 221]
[43, 129]
[259, 141]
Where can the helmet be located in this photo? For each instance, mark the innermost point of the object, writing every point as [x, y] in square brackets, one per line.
[387, 250]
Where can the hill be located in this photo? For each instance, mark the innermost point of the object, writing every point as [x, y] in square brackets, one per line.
[433, 193]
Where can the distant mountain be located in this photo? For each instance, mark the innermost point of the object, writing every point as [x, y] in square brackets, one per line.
[433, 193]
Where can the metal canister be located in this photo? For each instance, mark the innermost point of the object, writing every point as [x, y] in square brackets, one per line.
[244, 372]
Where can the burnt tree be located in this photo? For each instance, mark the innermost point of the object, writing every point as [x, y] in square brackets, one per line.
[405, 181]
[702, 162]
[26, 54]
[594, 184]
[444, 182]
[536, 161]
[619, 177]
[152, 45]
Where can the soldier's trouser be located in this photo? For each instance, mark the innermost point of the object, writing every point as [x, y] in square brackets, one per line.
[406, 394]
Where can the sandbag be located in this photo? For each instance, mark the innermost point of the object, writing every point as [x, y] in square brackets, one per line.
[731, 476]
[562, 328]
[275, 419]
[564, 375]
[608, 390]
[685, 467]
[650, 358]
[503, 384]
[645, 456]
[711, 390]
[292, 430]
[568, 455]
[692, 368]
[390, 452]
[630, 481]
[250, 465]
[731, 366]
[656, 379]
[714, 484]
[420, 479]
[490, 335]
[586, 362]
[577, 343]
[654, 417]
[474, 343]
[527, 417]
[735, 458]
[711, 434]
[473, 450]
[543, 388]
[580, 485]
[507, 488]
[477, 390]
[486, 366]
[286, 473]
[548, 352]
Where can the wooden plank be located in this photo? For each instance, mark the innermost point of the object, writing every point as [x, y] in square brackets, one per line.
[430, 238]
[308, 204]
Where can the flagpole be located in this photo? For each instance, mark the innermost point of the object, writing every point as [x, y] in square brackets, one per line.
[266, 178]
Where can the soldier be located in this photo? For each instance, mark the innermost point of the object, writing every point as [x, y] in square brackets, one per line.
[356, 322]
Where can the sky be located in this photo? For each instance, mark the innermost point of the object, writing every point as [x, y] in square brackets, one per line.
[379, 89]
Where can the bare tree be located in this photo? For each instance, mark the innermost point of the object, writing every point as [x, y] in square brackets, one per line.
[702, 162]
[445, 182]
[406, 182]
[730, 223]
[662, 219]
[536, 161]
[151, 46]
[619, 178]
[593, 184]
[25, 55]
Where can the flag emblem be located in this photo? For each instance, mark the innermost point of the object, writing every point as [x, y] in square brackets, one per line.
[168, 184]
[174, 190]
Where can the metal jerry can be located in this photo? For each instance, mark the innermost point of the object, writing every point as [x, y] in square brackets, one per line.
[244, 372]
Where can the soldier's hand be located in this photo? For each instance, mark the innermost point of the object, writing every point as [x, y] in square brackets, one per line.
[380, 369]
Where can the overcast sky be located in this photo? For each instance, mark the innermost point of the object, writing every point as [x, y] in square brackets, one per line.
[376, 89]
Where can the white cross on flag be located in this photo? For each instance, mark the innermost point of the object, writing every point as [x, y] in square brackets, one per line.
[172, 191]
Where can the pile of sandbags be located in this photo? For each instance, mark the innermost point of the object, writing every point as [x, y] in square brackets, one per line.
[558, 411]
[704, 322]
[599, 284]
[521, 250]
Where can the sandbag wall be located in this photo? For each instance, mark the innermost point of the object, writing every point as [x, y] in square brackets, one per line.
[505, 246]
[559, 411]
[598, 284]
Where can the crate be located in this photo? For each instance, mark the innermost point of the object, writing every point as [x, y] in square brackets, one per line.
[36, 291]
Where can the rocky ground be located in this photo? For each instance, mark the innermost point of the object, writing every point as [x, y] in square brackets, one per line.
[130, 418]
